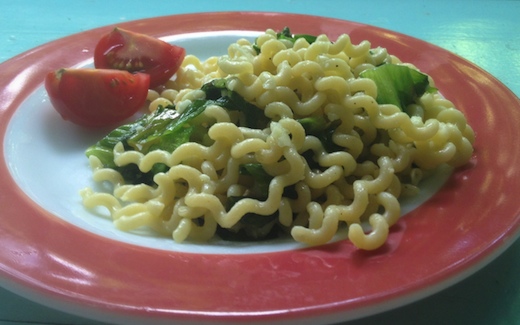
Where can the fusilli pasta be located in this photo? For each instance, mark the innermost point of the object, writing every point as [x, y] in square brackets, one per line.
[382, 153]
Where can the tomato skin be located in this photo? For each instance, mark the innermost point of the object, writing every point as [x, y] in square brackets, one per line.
[96, 97]
[135, 52]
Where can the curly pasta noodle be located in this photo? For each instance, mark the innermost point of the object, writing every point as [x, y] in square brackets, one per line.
[384, 152]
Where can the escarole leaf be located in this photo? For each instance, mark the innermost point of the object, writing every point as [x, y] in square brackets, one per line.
[141, 135]
[320, 127]
[163, 129]
[286, 34]
[166, 129]
[398, 84]
[261, 180]
[217, 92]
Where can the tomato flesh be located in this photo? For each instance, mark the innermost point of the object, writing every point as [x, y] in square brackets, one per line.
[96, 97]
[135, 52]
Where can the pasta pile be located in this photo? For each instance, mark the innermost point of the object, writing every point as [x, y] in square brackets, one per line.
[384, 152]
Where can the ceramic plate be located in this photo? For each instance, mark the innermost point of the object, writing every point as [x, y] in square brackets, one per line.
[57, 253]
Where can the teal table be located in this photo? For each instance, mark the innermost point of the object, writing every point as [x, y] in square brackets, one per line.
[486, 33]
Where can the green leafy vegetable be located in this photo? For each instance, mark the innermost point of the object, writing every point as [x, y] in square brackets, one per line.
[166, 129]
[314, 125]
[398, 84]
[218, 93]
[286, 34]
[260, 180]
[133, 136]
[320, 127]
[251, 227]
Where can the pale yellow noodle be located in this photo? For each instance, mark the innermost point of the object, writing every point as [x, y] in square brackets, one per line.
[382, 152]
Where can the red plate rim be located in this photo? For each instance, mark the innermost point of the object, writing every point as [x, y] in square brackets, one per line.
[470, 221]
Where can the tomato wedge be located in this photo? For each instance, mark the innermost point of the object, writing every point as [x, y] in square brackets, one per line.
[134, 52]
[96, 97]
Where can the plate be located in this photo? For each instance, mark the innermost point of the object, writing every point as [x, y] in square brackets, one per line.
[59, 255]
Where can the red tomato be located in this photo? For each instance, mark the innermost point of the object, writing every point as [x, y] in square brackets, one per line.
[134, 52]
[96, 97]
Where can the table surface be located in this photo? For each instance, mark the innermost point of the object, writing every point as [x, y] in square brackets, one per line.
[490, 296]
